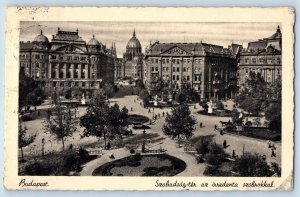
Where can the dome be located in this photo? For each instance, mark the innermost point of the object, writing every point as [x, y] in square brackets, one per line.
[134, 42]
[41, 38]
[93, 42]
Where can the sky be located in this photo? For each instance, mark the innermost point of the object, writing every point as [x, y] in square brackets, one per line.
[120, 32]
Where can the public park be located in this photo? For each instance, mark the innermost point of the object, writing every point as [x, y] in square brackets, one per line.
[127, 129]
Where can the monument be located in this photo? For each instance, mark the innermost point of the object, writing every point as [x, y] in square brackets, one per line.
[83, 100]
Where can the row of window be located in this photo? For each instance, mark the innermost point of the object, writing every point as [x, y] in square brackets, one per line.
[76, 75]
[76, 84]
[177, 77]
[68, 57]
[263, 60]
[175, 61]
[246, 70]
[175, 69]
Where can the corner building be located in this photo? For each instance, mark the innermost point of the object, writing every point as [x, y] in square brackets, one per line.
[67, 62]
[263, 56]
[210, 69]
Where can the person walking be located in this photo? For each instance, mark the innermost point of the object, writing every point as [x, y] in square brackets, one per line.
[273, 154]
[201, 125]
[233, 154]
[225, 144]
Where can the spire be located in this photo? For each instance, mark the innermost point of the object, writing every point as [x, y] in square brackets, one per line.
[93, 36]
[41, 32]
[278, 29]
[134, 32]
[58, 29]
[77, 30]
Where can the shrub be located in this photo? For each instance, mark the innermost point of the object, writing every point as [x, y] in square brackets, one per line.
[220, 105]
[252, 165]
[132, 151]
[210, 170]
[216, 154]
[202, 144]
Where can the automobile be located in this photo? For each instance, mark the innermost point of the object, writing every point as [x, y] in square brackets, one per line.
[141, 126]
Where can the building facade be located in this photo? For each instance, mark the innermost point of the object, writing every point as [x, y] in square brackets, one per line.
[209, 69]
[264, 56]
[133, 59]
[67, 62]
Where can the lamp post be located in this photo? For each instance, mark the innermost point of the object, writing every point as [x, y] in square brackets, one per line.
[43, 144]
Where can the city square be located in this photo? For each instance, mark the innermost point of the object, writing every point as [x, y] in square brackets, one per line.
[177, 109]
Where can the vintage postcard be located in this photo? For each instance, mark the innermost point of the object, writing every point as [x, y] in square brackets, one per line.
[149, 98]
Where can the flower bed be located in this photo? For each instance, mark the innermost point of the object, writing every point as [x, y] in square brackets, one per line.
[142, 165]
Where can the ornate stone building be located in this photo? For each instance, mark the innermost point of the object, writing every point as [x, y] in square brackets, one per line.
[133, 59]
[209, 69]
[262, 56]
[67, 62]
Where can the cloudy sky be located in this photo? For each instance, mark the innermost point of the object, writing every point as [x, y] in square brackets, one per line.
[120, 32]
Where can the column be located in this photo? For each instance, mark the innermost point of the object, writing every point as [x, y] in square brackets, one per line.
[79, 71]
[65, 70]
[86, 73]
[57, 71]
[50, 70]
[72, 71]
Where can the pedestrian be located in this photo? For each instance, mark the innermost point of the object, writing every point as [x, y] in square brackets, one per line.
[221, 132]
[149, 111]
[233, 154]
[194, 106]
[163, 114]
[269, 144]
[201, 125]
[71, 147]
[158, 115]
[274, 147]
[216, 127]
[131, 109]
[108, 145]
[273, 154]
[155, 116]
[225, 144]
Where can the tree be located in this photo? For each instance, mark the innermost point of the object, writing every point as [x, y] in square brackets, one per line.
[108, 90]
[253, 95]
[252, 165]
[273, 106]
[181, 97]
[216, 154]
[189, 91]
[35, 97]
[30, 93]
[62, 125]
[179, 123]
[104, 121]
[140, 84]
[145, 96]
[24, 140]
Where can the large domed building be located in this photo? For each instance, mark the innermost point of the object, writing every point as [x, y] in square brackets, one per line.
[133, 58]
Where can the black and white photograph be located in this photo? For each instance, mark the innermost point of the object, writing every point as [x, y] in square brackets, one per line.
[151, 99]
